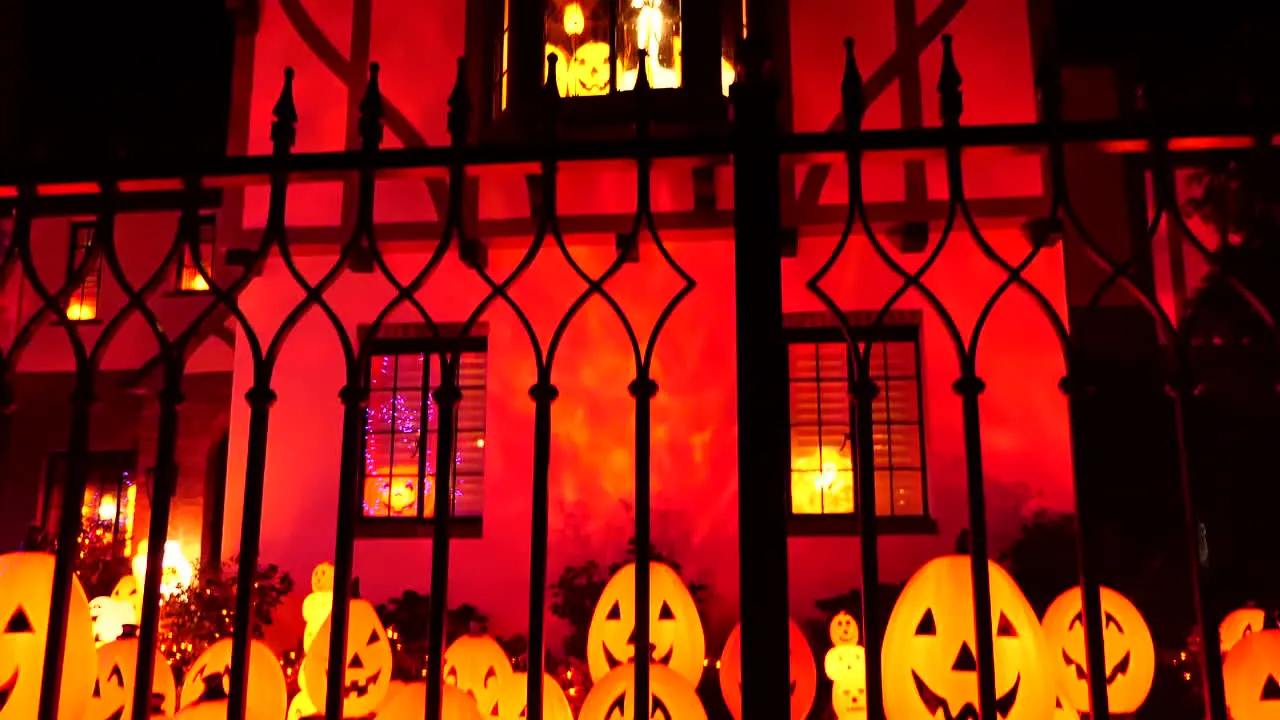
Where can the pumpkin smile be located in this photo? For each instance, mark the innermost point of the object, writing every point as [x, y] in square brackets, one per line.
[933, 702]
[6, 690]
[355, 688]
[615, 662]
[1082, 673]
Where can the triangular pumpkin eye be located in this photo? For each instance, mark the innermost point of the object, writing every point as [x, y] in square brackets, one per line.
[927, 625]
[373, 636]
[1004, 628]
[116, 676]
[665, 612]
[615, 612]
[524, 711]
[18, 622]
[1111, 620]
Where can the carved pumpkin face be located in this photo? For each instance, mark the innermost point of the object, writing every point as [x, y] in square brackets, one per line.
[929, 661]
[409, 702]
[267, 693]
[113, 692]
[368, 674]
[590, 69]
[322, 578]
[671, 696]
[1130, 652]
[846, 665]
[109, 618]
[211, 702]
[513, 703]
[478, 666]
[1239, 623]
[844, 629]
[804, 673]
[1251, 676]
[675, 629]
[26, 584]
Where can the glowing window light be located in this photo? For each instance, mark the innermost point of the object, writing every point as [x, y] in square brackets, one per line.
[177, 571]
[822, 483]
[80, 311]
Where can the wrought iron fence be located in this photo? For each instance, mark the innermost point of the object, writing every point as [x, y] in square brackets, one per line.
[757, 149]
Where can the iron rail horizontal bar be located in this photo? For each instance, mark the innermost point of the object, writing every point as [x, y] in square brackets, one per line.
[168, 174]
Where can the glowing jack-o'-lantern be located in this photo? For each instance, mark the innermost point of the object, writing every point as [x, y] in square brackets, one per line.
[113, 691]
[846, 665]
[410, 703]
[210, 703]
[368, 673]
[675, 629]
[126, 591]
[513, 703]
[804, 673]
[671, 697]
[929, 660]
[1251, 676]
[26, 585]
[322, 578]
[301, 707]
[590, 69]
[1239, 623]
[1127, 645]
[478, 666]
[267, 693]
[843, 629]
[109, 618]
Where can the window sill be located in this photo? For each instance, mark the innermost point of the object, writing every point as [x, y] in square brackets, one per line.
[188, 293]
[94, 321]
[415, 528]
[849, 525]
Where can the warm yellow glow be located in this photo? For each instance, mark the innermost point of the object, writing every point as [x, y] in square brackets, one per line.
[822, 483]
[727, 75]
[193, 281]
[130, 501]
[81, 310]
[479, 442]
[574, 22]
[177, 572]
[107, 508]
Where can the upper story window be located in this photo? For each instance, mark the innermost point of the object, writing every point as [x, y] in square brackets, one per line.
[402, 439]
[189, 279]
[598, 44]
[823, 478]
[82, 306]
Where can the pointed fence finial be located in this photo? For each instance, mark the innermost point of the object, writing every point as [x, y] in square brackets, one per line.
[1049, 81]
[551, 88]
[283, 130]
[853, 104]
[949, 80]
[460, 106]
[371, 111]
[642, 74]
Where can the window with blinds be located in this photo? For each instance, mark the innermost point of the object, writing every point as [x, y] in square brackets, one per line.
[823, 478]
[402, 431]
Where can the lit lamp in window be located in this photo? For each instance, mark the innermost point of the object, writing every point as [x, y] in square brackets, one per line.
[822, 483]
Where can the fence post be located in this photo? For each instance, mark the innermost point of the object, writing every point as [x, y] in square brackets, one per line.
[763, 444]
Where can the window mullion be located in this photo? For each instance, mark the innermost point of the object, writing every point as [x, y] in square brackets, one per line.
[424, 424]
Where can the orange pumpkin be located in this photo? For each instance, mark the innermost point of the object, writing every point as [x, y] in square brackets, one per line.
[117, 670]
[368, 666]
[675, 629]
[1239, 623]
[478, 666]
[513, 703]
[804, 673]
[410, 703]
[1251, 676]
[25, 597]
[671, 696]
[929, 660]
[1127, 645]
[267, 693]
[210, 703]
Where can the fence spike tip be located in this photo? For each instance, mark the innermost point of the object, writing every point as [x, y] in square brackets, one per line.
[285, 111]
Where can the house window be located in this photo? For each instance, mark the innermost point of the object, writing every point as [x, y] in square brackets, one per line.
[823, 478]
[82, 306]
[591, 38]
[506, 52]
[109, 504]
[402, 431]
[189, 278]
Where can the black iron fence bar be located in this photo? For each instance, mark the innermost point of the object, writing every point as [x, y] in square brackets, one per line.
[1117, 135]
[764, 452]
[260, 397]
